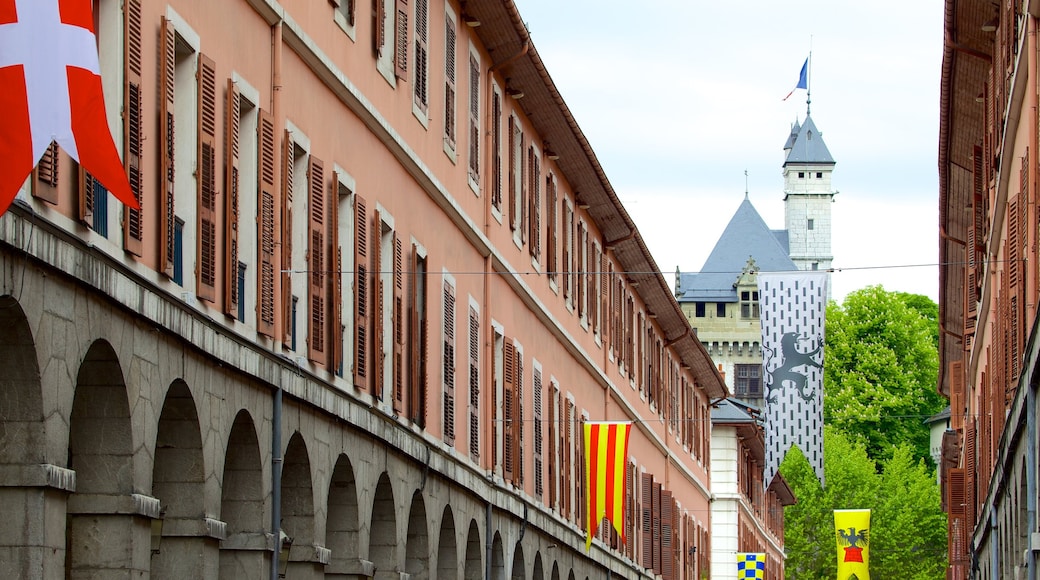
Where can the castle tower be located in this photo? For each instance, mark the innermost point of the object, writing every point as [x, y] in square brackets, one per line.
[808, 195]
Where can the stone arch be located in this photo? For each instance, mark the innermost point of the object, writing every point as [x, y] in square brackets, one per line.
[101, 452]
[518, 571]
[298, 507]
[417, 544]
[537, 573]
[498, 559]
[178, 482]
[447, 548]
[22, 440]
[474, 553]
[555, 571]
[382, 547]
[341, 530]
[242, 503]
[570, 576]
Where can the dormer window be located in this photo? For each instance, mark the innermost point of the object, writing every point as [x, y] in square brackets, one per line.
[749, 304]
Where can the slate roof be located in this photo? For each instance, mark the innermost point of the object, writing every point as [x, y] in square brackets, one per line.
[747, 235]
[733, 410]
[805, 145]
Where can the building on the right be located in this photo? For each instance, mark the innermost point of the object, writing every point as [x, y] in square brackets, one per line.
[988, 286]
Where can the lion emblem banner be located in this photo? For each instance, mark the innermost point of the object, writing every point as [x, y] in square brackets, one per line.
[792, 306]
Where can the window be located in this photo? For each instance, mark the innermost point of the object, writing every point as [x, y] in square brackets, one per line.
[344, 16]
[811, 224]
[815, 266]
[720, 310]
[474, 119]
[496, 153]
[449, 83]
[748, 381]
[422, 24]
[178, 251]
[749, 304]
[474, 381]
[819, 175]
[417, 338]
[801, 175]
[240, 177]
[448, 364]
[241, 283]
[699, 311]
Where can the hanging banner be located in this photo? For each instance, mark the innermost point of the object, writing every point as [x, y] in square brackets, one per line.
[853, 541]
[793, 305]
[606, 447]
[751, 565]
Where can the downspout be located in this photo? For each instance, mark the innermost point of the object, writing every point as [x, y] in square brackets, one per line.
[276, 414]
[487, 540]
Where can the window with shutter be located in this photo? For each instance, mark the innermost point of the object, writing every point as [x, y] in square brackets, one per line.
[474, 118]
[496, 149]
[421, 75]
[266, 272]
[402, 33]
[567, 226]
[567, 457]
[667, 546]
[232, 123]
[361, 313]
[630, 509]
[206, 182]
[474, 383]
[535, 197]
[417, 342]
[514, 195]
[580, 260]
[288, 167]
[316, 261]
[550, 227]
[552, 423]
[45, 176]
[580, 509]
[599, 291]
[133, 235]
[518, 422]
[655, 514]
[646, 484]
[508, 409]
[398, 324]
[380, 270]
[449, 82]
[537, 400]
[448, 366]
[167, 84]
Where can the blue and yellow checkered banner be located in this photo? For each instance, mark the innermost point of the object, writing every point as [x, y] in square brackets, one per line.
[751, 565]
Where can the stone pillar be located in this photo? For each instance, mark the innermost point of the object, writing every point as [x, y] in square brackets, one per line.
[308, 562]
[355, 569]
[111, 535]
[246, 555]
[189, 548]
[32, 509]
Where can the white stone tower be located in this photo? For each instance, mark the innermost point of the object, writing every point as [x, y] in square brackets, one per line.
[808, 196]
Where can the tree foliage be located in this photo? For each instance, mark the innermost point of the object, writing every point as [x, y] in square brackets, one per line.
[907, 531]
[880, 369]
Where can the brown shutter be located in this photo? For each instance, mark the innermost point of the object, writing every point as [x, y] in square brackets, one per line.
[376, 345]
[398, 324]
[521, 173]
[206, 184]
[417, 341]
[630, 509]
[45, 176]
[402, 34]
[538, 471]
[667, 544]
[449, 365]
[647, 529]
[335, 285]
[133, 235]
[554, 472]
[288, 165]
[656, 527]
[449, 80]
[474, 118]
[579, 262]
[379, 26]
[474, 383]
[361, 310]
[550, 226]
[266, 192]
[496, 150]
[166, 146]
[567, 263]
[231, 200]
[316, 335]
[86, 188]
[535, 181]
[567, 461]
[518, 423]
[508, 393]
[511, 176]
[422, 51]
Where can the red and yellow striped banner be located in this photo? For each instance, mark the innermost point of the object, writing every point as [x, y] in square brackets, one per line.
[606, 447]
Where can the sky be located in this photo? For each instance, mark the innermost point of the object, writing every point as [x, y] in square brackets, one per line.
[679, 98]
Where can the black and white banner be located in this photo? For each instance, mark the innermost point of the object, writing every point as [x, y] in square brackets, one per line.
[792, 307]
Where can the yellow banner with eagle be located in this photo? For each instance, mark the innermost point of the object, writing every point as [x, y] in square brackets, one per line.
[853, 542]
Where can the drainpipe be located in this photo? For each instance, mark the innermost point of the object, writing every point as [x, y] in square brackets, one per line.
[487, 540]
[276, 480]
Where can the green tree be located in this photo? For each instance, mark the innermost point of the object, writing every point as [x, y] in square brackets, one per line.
[907, 531]
[880, 369]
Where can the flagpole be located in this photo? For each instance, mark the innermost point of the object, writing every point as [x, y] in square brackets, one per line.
[808, 82]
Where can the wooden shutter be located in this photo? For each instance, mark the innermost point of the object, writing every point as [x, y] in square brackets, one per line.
[316, 334]
[266, 193]
[379, 26]
[206, 184]
[630, 509]
[566, 460]
[508, 393]
[656, 527]
[449, 80]
[518, 423]
[398, 324]
[288, 165]
[646, 485]
[474, 383]
[86, 190]
[166, 145]
[550, 226]
[133, 235]
[231, 199]
[496, 150]
[335, 285]
[378, 306]
[514, 220]
[361, 327]
[566, 223]
[449, 364]
[554, 472]
[579, 262]
[522, 186]
[422, 25]
[45, 176]
[958, 524]
[474, 118]
[403, 40]
[537, 400]
[535, 197]
[667, 543]
[417, 341]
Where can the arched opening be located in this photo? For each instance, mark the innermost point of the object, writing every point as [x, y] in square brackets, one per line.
[382, 547]
[447, 549]
[498, 559]
[417, 545]
[101, 453]
[555, 571]
[298, 508]
[474, 553]
[537, 573]
[518, 571]
[242, 504]
[178, 474]
[341, 530]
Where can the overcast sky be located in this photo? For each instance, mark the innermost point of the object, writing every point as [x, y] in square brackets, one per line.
[679, 97]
